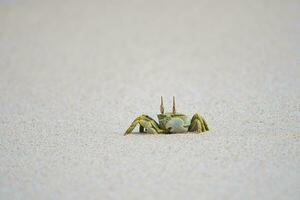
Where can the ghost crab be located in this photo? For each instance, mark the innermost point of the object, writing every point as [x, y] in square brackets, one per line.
[169, 122]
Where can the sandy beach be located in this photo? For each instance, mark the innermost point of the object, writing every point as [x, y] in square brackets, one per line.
[75, 74]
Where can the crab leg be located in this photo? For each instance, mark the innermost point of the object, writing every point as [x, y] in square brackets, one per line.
[145, 122]
[198, 124]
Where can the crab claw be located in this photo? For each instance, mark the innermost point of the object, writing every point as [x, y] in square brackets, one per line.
[176, 125]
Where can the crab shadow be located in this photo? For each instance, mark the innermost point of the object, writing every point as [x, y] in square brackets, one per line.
[145, 134]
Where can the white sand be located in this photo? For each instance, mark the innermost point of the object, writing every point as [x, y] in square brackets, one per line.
[74, 75]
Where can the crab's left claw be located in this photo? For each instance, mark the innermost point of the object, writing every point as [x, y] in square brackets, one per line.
[176, 125]
[198, 124]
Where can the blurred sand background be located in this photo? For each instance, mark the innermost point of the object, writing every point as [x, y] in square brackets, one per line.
[74, 74]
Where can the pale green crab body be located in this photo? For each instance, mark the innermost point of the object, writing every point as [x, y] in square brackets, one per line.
[174, 123]
[169, 123]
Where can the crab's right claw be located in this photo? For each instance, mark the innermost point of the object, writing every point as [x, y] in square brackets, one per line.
[198, 124]
[146, 123]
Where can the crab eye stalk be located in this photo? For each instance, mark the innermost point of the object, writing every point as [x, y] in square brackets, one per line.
[162, 110]
[174, 109]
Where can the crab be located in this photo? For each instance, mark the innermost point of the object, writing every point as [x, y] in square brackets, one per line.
[169, 123]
